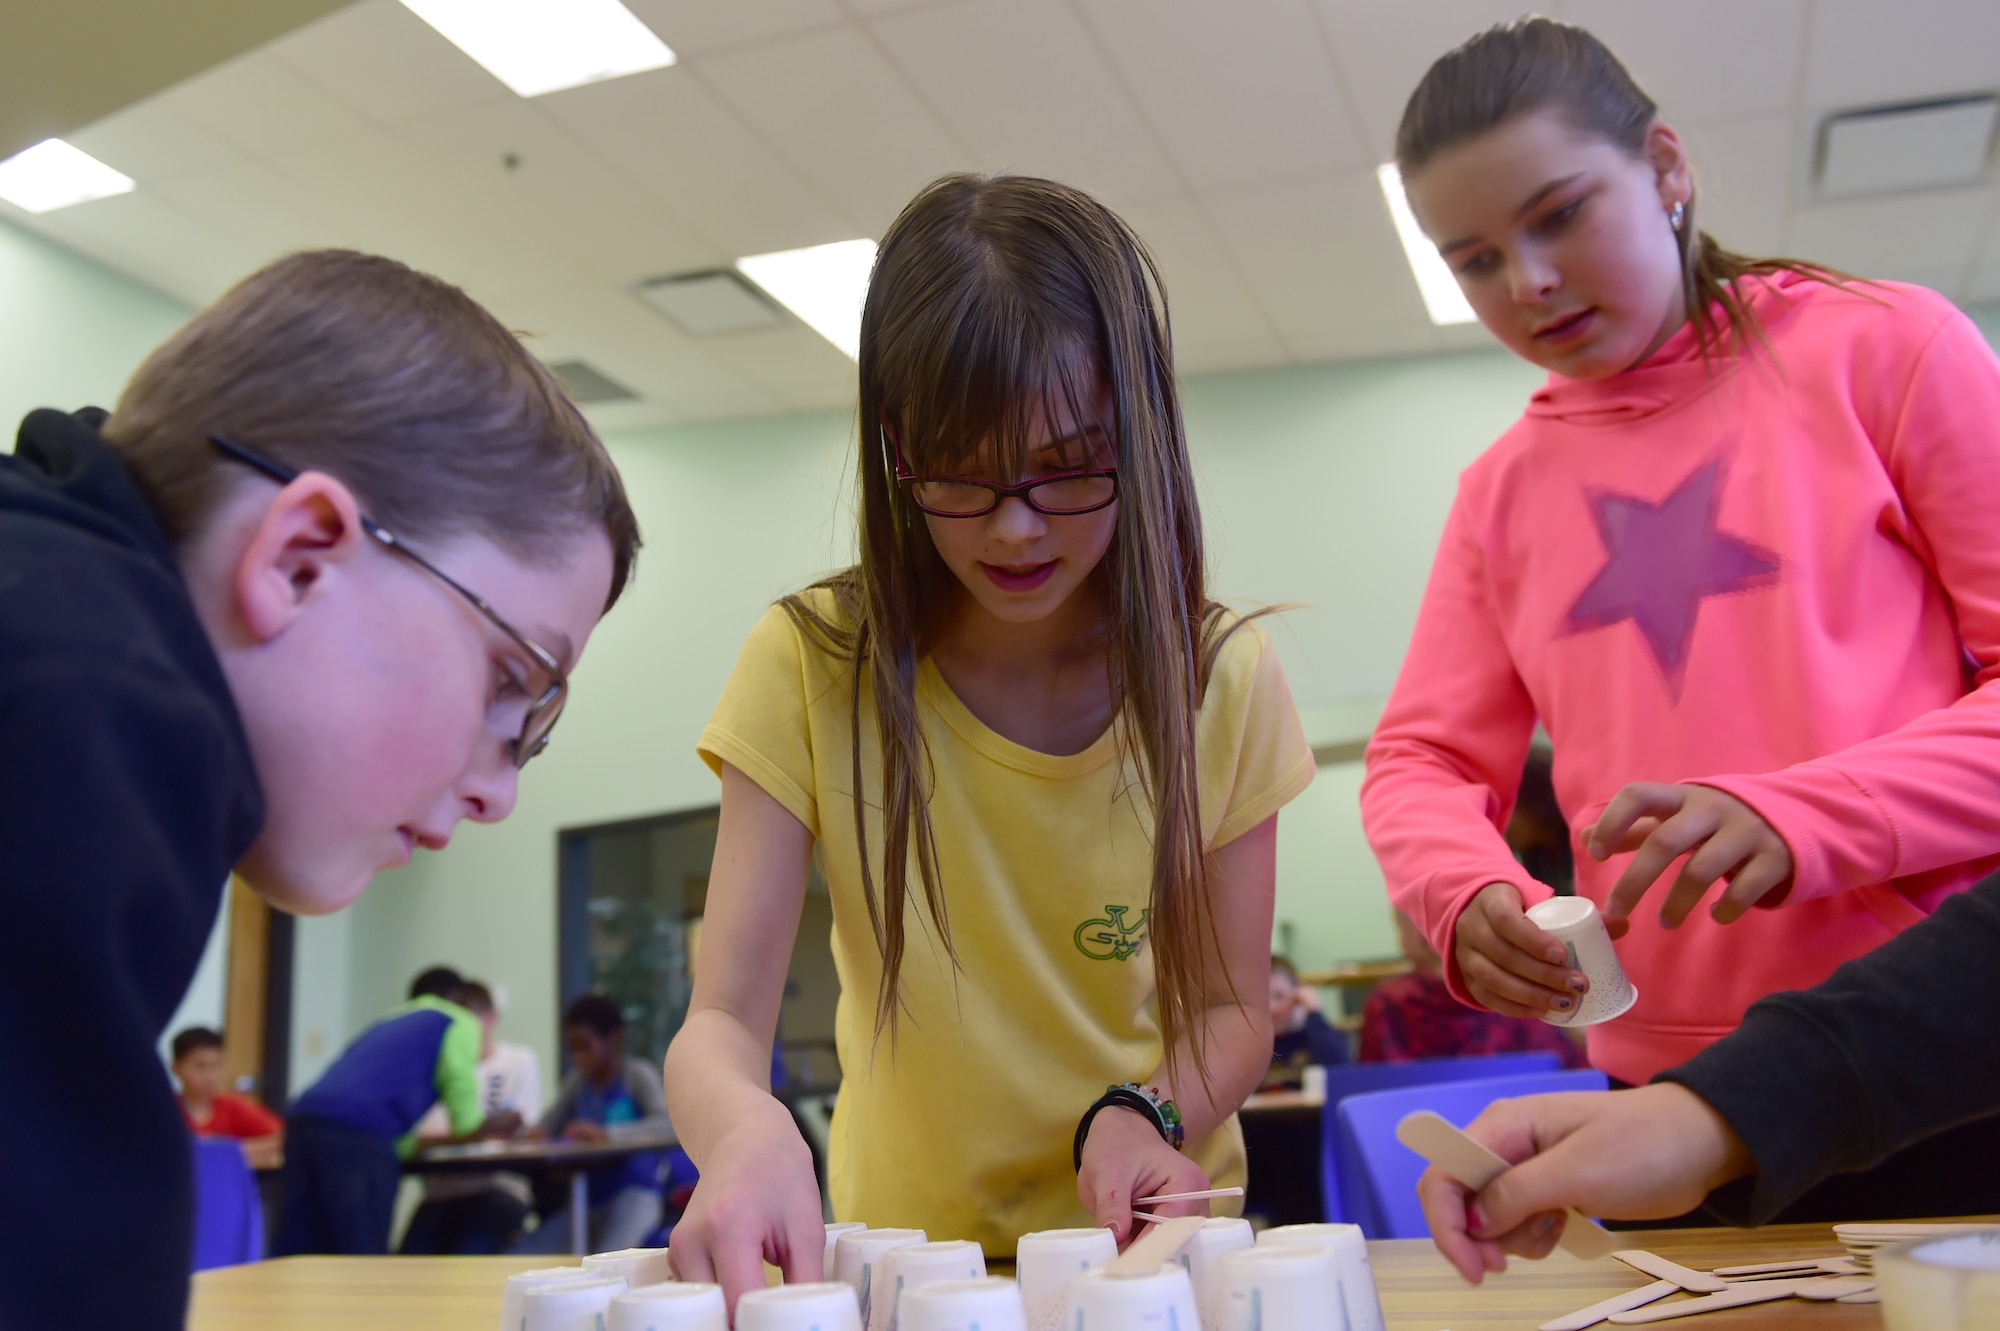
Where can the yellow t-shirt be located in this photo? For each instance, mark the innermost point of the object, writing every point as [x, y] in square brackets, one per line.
[962, 1124]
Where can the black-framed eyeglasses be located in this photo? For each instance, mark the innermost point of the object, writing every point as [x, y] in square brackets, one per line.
[546, 708]
[1062, 495]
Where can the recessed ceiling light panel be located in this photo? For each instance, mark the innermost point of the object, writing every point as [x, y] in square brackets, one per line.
[1446, 303]
[53, 175]
[538, 46]
[825, 285]
[1922, 146]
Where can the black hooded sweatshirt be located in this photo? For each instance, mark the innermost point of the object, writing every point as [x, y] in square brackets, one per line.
[127, 794]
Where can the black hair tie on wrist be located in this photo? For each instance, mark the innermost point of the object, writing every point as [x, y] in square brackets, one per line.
[1121, 1097]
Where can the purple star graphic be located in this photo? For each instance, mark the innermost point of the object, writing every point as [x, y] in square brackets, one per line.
[1663, 559]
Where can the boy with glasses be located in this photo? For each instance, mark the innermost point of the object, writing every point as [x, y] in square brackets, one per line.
[239, 630]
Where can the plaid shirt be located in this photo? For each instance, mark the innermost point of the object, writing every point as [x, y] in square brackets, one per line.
[1414, 1016]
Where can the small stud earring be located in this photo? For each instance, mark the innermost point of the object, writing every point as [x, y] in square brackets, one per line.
[1677, 217]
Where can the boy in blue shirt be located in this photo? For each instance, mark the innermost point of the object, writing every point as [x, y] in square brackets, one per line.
[352, 1129]
[239, 631]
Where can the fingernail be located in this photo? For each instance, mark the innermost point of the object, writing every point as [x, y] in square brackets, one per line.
[1544, 1225]
[1563, 1004]
[1556, 955]
[1476, 1218]
[1579, 983]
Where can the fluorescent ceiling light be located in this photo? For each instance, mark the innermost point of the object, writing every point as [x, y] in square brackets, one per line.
[538, 46]
[825, 285]
[53, 175]
[1446, 303]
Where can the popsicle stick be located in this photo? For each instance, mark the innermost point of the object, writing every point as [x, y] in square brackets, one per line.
[1898, 1233]
[1472, 1164]
[1835, 1287]
[1768, 1268]
[1658, 1267]
[1189, 1196]
[1865, 1296]
[1736, 1296]
[1150, 1218]
[1156, 1247]
[1617, 1303]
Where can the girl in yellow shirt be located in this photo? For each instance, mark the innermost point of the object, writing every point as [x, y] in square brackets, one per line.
[1041, 769]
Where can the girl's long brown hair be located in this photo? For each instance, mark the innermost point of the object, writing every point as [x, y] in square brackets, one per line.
[1538, 64]
[995, 300]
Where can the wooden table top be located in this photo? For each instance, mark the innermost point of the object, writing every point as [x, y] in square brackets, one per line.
[523, 1154]
[1419, 1292]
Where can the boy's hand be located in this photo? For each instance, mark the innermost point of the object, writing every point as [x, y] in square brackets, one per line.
[1124, 1158]
[1509, 965]
[1642, 1154]
[1721, 835]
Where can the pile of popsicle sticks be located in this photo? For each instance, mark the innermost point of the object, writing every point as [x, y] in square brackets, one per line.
[1830, 1278]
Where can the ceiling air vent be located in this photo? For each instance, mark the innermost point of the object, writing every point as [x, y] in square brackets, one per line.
[709, 303]
[1916, 145]
[589, 385]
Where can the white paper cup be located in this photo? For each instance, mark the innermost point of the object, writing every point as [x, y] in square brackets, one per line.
[987, 1304]
[833, 1233]
[1044, 1264]
[857, 1259]
[916, 1264]
[1204, 1251]
[1162, 1301]
[669, 1306]
[1281, 1286]
[636, 1266]
[568, 1305]
[826, 1305]
[522, 1281]
[1350, 1249]
[1575, 923]
[1942, 1284]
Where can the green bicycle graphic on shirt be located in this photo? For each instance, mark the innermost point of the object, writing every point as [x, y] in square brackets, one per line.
[1110, 937]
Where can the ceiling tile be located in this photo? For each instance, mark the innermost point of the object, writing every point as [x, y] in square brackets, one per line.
[1022, 85]
[147, 238]
[668, 133]
[1203, 355]
[1746, 176]
[1240, 94]
[696, 27]
[1210, 303]
[1673, 51]
[1382, 50]
[383, 62]
[1862, 52]
[148, 142]
[261, 106]
[1926, 238]
[798, 367]
[272, 213]
[834, 107]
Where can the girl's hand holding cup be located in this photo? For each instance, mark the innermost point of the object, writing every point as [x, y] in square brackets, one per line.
[1721, 836]
[1511, 966]
[758, 1200]
[1125, 1158]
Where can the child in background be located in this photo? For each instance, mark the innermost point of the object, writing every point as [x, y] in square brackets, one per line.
[1415, 1016]
[1739, 557]
[1041, 770]
[352, 1129]
[1301, 1036]
[605, 1094]
[246, 655]
[478, 1214]
[210, 1111]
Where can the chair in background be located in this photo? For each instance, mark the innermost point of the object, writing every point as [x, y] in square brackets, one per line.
[1343, 1191]
[228, 1214]
[1391, 1169]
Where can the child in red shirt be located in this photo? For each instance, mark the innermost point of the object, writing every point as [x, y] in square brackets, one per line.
[1415, 1016]
[210, 1112]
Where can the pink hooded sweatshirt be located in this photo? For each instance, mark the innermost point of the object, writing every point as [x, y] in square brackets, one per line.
[1778, 575]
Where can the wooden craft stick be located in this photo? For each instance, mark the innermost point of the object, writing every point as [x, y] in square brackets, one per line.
[1659, 1268]
[1189, 1196]
[1736, 1296]
[1617, 1303]
[1835, 1287]
[1156, 1247]
[1865, 1296]
[1768, 1268]
[1472, 1164]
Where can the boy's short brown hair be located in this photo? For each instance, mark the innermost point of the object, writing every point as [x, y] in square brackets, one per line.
[393, 381]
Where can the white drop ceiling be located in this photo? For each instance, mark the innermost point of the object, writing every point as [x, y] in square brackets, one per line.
[1239, 136]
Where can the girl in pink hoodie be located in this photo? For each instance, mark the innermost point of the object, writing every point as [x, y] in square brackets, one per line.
[1741, 557]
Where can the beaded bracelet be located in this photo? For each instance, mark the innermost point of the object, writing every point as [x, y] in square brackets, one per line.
[1145, 1101]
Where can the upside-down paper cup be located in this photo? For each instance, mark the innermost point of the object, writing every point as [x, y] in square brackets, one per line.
[833, 1233]
[826, 1305]
[568, 1305]
[1575, 923]
[1282, 1287]
[986, 1304]
[668, 1306]
[522, 1281]
[635, 1266]
[1350, 1249]
[1213, 1241]
[916, 1264]
[1162, 1301]
[857, 1260]
[1047, 1260]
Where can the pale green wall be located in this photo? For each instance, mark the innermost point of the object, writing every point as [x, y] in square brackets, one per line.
[74, 331]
